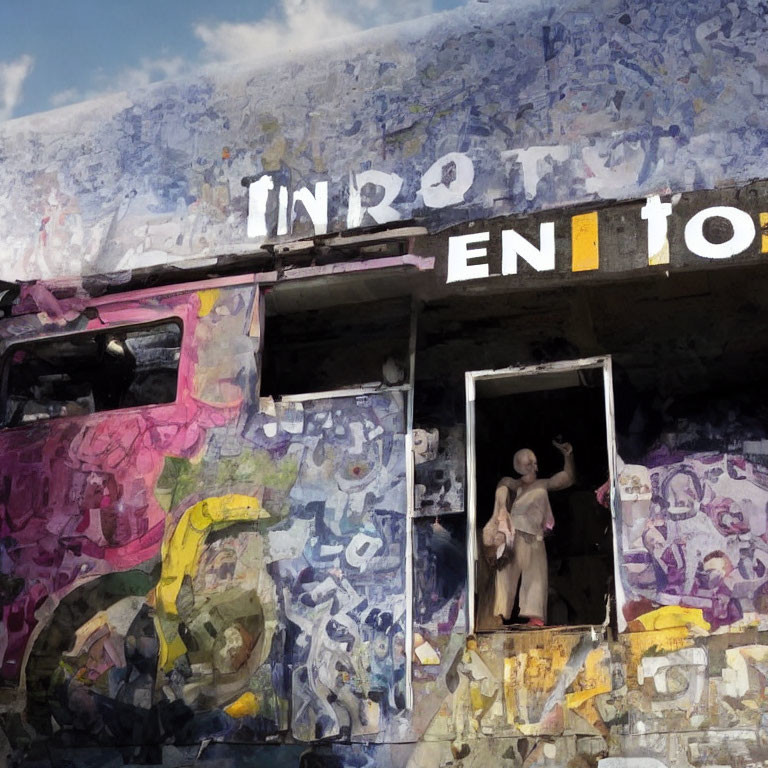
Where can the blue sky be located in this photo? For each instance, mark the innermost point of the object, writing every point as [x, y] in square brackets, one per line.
[56, 52]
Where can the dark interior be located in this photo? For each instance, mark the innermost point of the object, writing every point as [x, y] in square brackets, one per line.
[579, 548]
[84, 373]
[335, 347]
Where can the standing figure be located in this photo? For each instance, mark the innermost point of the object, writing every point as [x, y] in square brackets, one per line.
[521, 516]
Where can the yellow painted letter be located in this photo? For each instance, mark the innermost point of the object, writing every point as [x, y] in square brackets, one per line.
[585, 253]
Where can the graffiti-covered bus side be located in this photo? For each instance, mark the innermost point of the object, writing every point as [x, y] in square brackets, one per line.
[270, 337]
[220, 566]
[189, 567]
[206, 567]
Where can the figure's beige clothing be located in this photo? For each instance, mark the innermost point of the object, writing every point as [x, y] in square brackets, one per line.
[531, 511]
[531, 516]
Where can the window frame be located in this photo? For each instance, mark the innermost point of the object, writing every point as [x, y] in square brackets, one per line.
[562, 367]
[13, 346]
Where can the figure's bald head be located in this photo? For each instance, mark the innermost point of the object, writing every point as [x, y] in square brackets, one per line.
[524, 461]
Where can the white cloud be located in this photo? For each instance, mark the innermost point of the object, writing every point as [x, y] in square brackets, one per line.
[295, 25]
[12, 77]
[148, 71]
[301, 23]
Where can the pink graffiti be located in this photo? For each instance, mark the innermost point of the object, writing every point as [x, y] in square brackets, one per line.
[77, 495]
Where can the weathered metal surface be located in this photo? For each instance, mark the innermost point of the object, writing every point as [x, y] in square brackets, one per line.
[695, 230]
[228, 569]
[486, 111]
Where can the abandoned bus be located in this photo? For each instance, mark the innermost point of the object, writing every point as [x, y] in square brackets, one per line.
[398, 404]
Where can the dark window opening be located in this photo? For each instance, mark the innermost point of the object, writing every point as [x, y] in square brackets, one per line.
[89, 372]
[579, 548]
[339, 347]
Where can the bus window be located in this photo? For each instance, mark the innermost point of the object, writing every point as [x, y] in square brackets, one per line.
[89, 372]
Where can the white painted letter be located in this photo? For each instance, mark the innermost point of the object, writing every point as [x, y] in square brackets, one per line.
[514, 245]
[382, 212]
[655, 213]
[447, 180]
[315, 204]
[743, 233]
[282, 211]
[258, 192]
[459, 256]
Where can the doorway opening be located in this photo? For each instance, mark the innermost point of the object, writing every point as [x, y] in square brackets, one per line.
[535, 408]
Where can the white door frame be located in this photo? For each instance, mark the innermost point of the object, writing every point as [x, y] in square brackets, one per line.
[471, 377]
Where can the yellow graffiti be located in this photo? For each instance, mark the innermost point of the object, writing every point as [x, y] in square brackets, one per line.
[542, 684]
[764, 230]
[672, 639]
[661, 256]
[208, 299]
[593, 680]
[248, 705]
[673, 616]
[654, 642]
[182, 552]
[528, 679]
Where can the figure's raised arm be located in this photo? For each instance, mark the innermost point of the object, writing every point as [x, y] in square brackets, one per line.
[567, 476]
